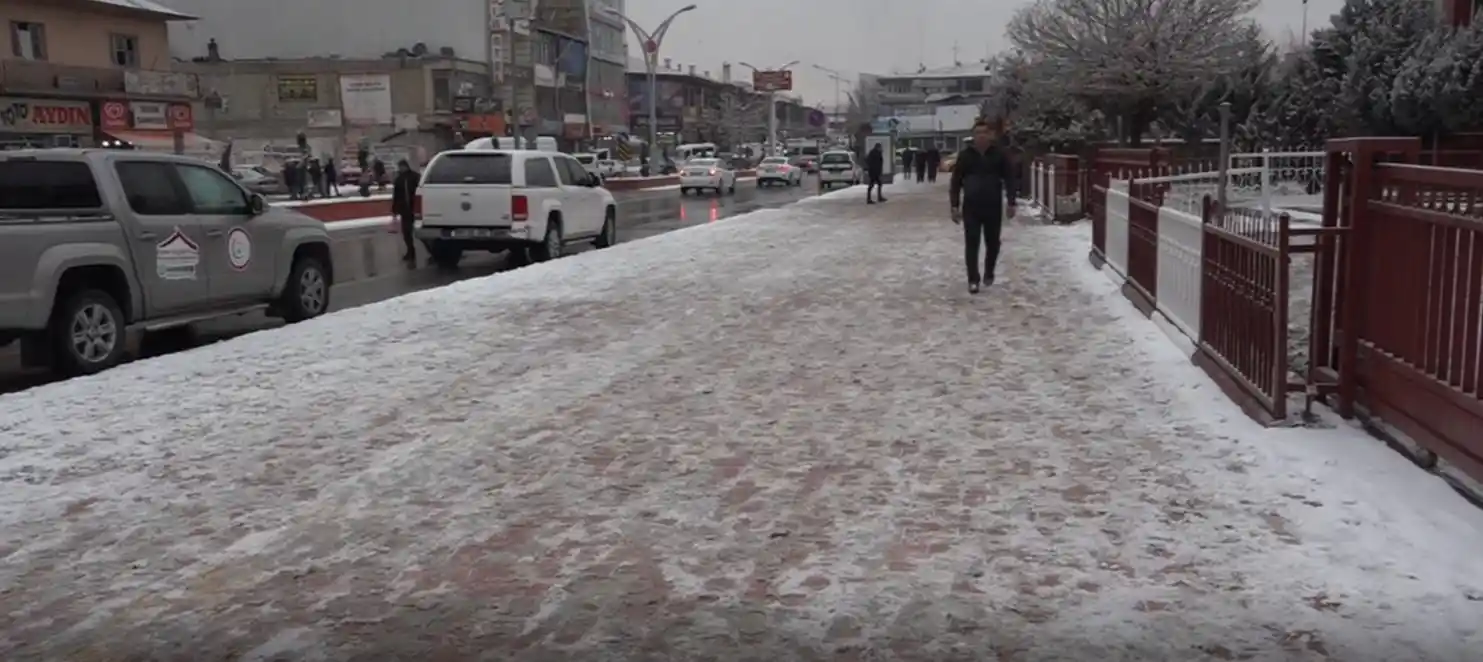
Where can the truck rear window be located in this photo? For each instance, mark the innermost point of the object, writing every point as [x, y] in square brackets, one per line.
[835, 158]
[469, 169]
[34, 185]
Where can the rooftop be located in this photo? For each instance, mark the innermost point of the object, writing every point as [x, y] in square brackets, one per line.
[960, 70]
[145, 6]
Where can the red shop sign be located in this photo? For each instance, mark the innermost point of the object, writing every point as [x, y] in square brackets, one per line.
[181, 117]
[114, 115]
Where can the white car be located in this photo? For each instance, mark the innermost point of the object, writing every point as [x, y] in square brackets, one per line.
[609, 168]
[701, 174]
[589, 161]
[777, 170]
[838, 168]
[531, 203]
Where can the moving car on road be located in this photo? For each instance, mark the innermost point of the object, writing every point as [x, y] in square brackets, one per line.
[838, 168]
[259, 180]
[529, 202]
[776, 170]
[97, 243]
[589, 163]
[713, 174]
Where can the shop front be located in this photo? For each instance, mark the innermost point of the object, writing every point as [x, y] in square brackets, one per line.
[156, 126]
[27, 123]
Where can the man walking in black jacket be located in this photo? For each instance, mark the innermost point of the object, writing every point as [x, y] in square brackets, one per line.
[404, 206]
[934, 162]
[982, 180]
[875, 167]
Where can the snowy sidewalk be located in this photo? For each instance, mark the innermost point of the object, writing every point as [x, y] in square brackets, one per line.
[790, 435]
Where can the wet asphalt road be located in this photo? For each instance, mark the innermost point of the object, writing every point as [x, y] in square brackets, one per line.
[695, 210]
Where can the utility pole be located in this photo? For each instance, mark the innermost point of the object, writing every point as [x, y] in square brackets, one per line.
[772, 106]
[839, 79]
[652, 41]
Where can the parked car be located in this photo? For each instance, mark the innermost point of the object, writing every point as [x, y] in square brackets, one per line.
[776, 170]
[98, 243]
[701, 174]
[838, 168]
[589, 162]
[532, 203]
[259, 179]
[609, 168]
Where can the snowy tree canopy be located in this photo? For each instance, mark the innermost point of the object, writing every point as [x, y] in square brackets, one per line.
[1129, 57]
[1039, 116]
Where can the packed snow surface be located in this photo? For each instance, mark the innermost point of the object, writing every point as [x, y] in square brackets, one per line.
[790, 435]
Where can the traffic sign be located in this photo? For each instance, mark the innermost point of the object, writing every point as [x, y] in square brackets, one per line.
[772, 81]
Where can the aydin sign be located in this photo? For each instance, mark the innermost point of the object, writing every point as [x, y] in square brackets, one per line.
[44, 116]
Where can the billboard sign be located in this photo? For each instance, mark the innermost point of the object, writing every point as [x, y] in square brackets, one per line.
[772, 81]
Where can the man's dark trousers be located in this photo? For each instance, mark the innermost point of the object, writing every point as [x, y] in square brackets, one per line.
[873, 183]
[409, 222]
[981, 225]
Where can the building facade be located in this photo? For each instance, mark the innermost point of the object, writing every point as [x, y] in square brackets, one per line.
[694, 106]
[932, 106]
[607, 87]
[79, 72]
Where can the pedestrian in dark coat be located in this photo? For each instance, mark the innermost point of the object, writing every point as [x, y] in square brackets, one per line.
[316, 178]
[908, 157]
[404, 205]
[981, 190]
[332, 177]
[934, 162]
[291, 178]
[875, 167]
[921, 163]
[378, 171]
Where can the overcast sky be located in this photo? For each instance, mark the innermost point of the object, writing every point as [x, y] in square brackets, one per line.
[874, 36]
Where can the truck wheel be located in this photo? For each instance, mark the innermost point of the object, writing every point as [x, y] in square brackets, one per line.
[445, 256]
[609, 234]
[550, 247]
[87, 333]
[308, 291]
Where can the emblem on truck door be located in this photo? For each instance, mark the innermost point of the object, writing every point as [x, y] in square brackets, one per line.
[239, 248]
[176, 257]
[466, 206]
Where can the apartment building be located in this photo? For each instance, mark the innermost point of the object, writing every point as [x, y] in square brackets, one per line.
[696, 106]
[932, 106]
[79, 72]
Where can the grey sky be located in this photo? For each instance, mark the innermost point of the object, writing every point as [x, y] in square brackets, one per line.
[875, 36]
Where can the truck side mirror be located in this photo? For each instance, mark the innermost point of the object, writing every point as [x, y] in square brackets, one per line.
[257, 205]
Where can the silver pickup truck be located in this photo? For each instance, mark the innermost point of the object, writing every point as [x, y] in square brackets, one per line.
[95, 244]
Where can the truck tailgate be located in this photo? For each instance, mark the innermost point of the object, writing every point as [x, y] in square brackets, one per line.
[473, 205]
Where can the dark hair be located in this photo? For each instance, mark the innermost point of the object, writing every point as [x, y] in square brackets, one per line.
[982, 123]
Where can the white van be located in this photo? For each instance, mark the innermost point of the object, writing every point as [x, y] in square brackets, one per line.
[684, 153]
[543, 143]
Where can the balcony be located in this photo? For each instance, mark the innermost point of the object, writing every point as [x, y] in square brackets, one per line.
[22, 76]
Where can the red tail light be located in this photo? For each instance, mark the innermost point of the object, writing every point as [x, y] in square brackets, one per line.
[520, 208]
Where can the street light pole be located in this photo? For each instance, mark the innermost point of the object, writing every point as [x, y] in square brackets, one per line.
[772, 108]
[838, 79]
[652, 41]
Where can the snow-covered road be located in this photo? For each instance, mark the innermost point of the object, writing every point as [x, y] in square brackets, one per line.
[792, 435]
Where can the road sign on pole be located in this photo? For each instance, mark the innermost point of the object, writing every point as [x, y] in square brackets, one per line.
[772, 81]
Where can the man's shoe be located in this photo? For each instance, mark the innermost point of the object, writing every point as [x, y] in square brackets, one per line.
[882, 199]
[868, 201]
[973, 288]
[989, 281]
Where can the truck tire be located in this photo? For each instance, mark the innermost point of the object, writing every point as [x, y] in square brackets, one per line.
[87, 333]
[550, 246]
[609, 234]
[445, 256]
[307, 294]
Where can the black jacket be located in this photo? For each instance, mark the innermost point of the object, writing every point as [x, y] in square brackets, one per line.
[875, 162]
[982, 179]
[403, 192]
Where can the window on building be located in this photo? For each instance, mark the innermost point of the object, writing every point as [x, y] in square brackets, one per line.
[442, 91]
[973, 85]
[28, 40]
[125, 50]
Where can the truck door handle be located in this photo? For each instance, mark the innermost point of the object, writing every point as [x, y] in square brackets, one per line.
[213, 233]
[147, 236]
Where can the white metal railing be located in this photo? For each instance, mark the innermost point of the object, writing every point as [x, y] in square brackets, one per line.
[1116, 241]
[1266, 180]
[1180, 269]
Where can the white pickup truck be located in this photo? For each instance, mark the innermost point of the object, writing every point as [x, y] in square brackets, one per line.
[531, 203]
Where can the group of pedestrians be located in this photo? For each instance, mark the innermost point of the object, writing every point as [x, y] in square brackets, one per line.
[311, 177]
[925, 162]
[981, 192]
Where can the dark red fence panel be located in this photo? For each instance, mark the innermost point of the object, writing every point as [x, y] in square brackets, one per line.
[1143, 239]
[1097, 209]
[1419, 348]
[1243, 306]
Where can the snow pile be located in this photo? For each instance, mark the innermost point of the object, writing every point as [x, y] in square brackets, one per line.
[791, 431]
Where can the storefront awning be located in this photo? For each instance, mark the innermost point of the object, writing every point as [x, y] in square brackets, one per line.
[164, 141]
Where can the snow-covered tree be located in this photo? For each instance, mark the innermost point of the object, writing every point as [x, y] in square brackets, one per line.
[1040, 115]
[742, 117]
[1196, 117]
[1128, 58]
[1373, 39]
